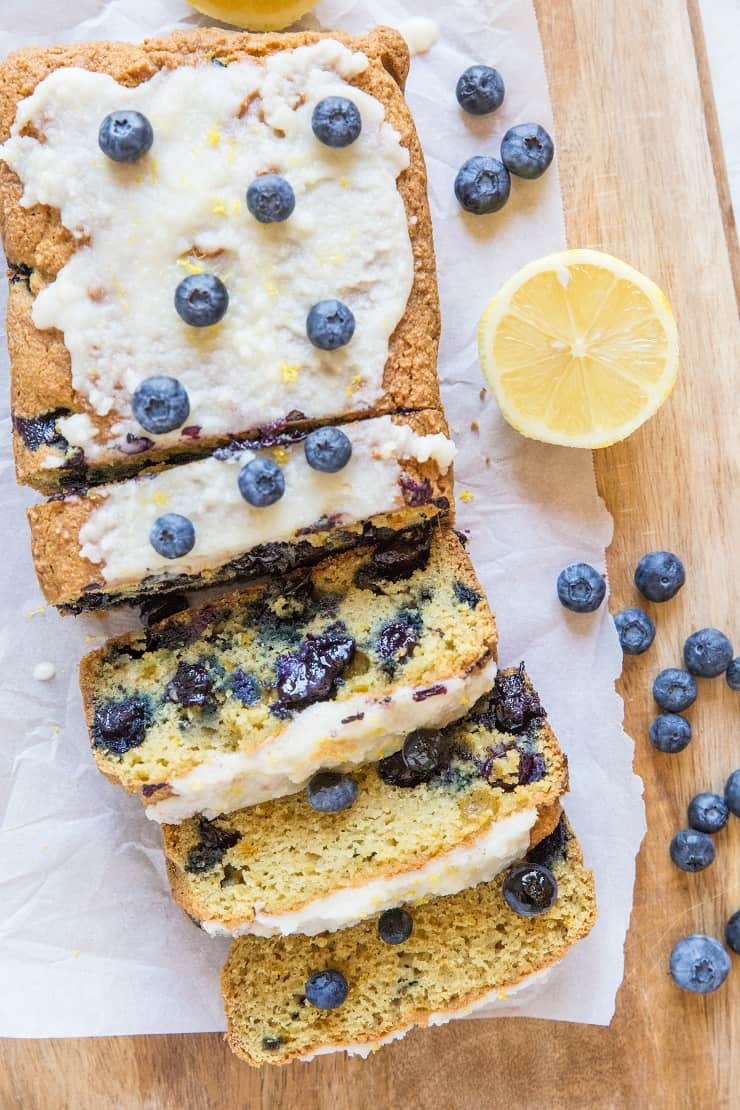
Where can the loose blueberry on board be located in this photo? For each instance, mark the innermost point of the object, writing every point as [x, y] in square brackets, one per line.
[172, 536]
[692, 850]
[336, 121]
[330, 792]
[708, 812]
[201, 300]
[326, 990]
[125, 136]
[732, 933]
[635, 629]
[328, 449]
[261, 482]
[670, 733]
[581, 588]
[395, 926]
[530, 889]
[674, 690]
[699, 964]
[270, 198]
[527, 150]
[480, 90]
[482, 185]
[732, 793]
[423, 751]
[659, 575]
[160, 404]
[707, 653]
[330, 325]
[733, 674]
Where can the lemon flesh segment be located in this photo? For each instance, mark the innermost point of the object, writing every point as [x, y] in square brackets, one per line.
[579, 349]
[255, 15]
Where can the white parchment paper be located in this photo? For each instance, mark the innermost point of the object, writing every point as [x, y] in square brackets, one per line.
[90, 943]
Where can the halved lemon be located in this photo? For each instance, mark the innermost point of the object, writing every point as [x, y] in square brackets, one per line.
[579, 349]
[256, 15]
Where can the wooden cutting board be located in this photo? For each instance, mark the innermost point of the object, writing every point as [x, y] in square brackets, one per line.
[643, 177]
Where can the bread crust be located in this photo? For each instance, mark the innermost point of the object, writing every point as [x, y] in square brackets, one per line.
[35, 238]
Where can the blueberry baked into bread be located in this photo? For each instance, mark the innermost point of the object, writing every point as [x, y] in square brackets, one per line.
[451, 809]
[297, 997]
[209, 234]
[243, 699]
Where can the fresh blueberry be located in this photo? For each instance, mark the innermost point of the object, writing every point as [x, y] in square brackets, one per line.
[328, 449]
[270, 198]
[732, 933]
[636, 631]
[201, 300]
[424, 751]
[708, 812]
[527, 150]
[395, 926]
[581, 588]
[674, 690]
[336, 121]
[659, 575]
[482, 185]
[172, 536]
[530, 889]
[330, 792]
[330, 325]
[480, 90]
[707, 652]
[125, 136]
[261, 482]
[326, 990]
[732, 792]
[670, 733]
[160, 404]
[692, 850]
[699, 964]
[733, 674]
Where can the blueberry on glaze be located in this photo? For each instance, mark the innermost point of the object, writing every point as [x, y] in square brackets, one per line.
[312, 673]
[635, 629]
[160, 404]
[395, 926]
[330, 792]
[330, 325]
[125, 136]
[530, 889]
[691, 850]
[732, 793]
[245, 687]
[191, 685]
[674, 690]
[172, 536]
[119, 726]
[708, 812]
[482, 185]
[480, 90]
[659, 575]
[328, 449]
[581, 588]
[670, 733]
[699, 964]
[527, 150]
[732, 933]
[326, 990]
[261, 482]
[336, 121]
[707, 653]
[201, 300]
[270, 198]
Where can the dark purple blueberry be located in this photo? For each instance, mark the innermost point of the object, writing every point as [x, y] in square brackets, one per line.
[125, 136]
[532, 768]
[670, 733]
[213, 845]
[527, 150]
[707, 653]
[480, 90]
[191, 686]
[659, 575]
[396, 561]
[415, 493]
[160, 404]
[466, 595]
[424, 752]
[172, 536]
[395, 926]
[245, 687]
[635, 629]
[394, 772]
[708, 812]
[482, 185]
[40, 431]
[699, 964]
[552, 848]
[261, 482]
[155, 609]
[312, 672]
[674, 690]
[691, 850]
[396, 640]
[120, 726]
[515, 707]
[336, 121]
[581, 588]
[530, 889]
[330, 792]
[328, 449]
[732, 933]
[326, 990]
[270, 198]
[201, 300]
[330, 325]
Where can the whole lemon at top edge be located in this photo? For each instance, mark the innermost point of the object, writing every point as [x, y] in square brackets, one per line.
[255, 15]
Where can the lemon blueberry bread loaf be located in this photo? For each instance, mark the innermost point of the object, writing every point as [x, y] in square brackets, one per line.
[449, 810]
[207, 234]
[295, 997]
[243, 699]
[242, 512]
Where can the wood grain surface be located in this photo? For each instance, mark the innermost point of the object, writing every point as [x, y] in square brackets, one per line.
[641, 171]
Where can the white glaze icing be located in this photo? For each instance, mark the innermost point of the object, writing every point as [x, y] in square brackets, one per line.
[499, 845]
[143, 227]
[115, 536]
[225, 781]
[420, 34]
